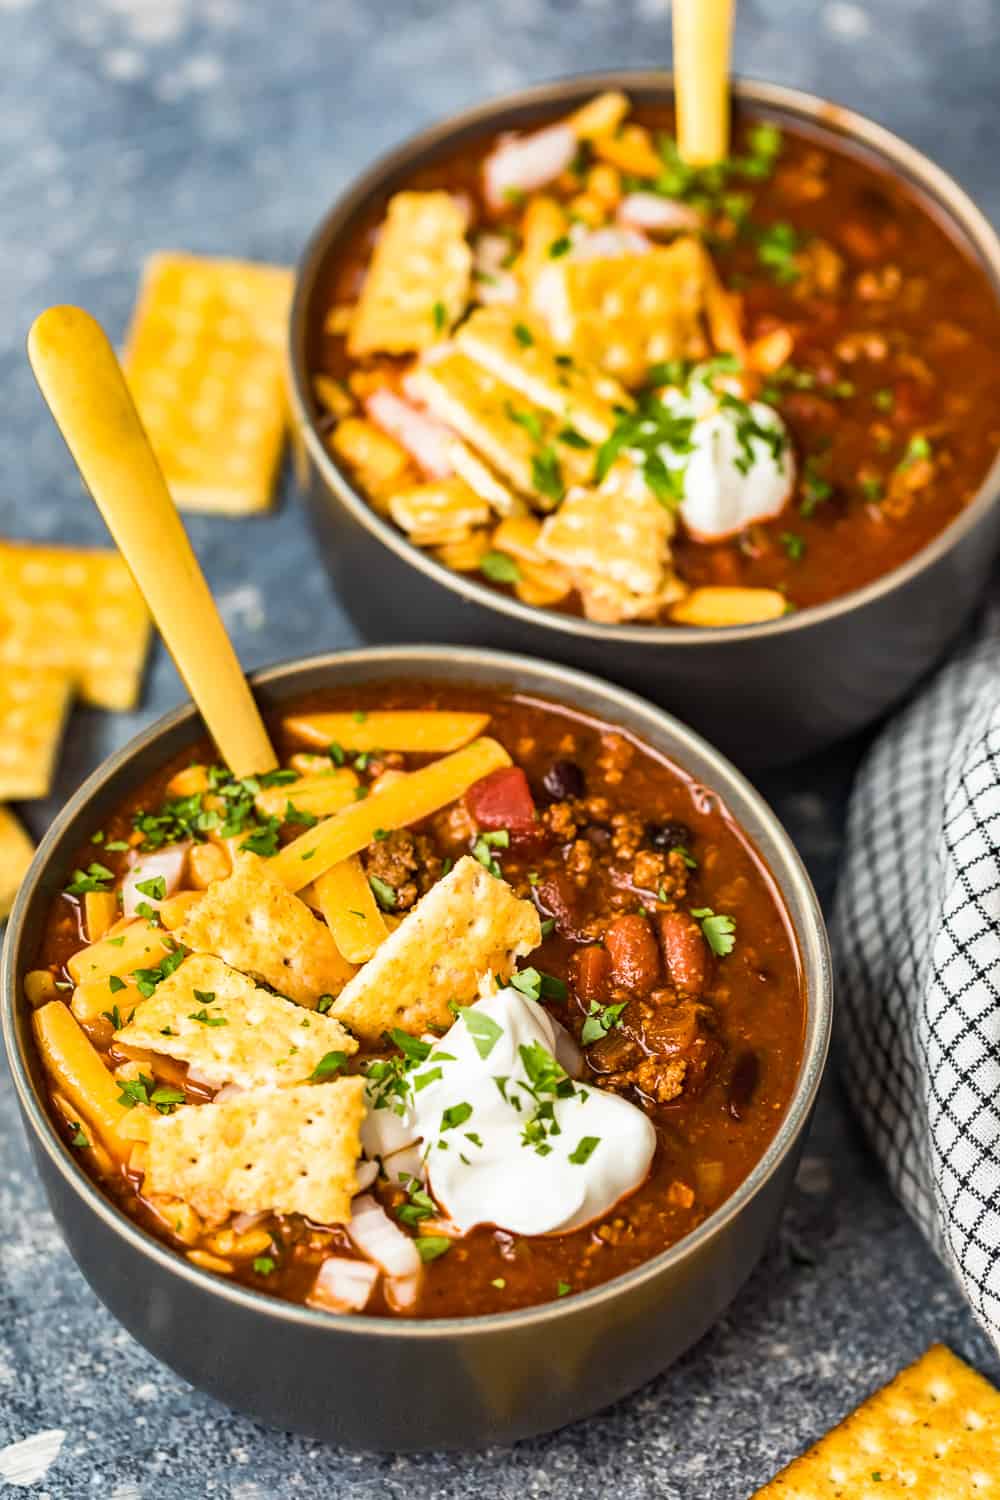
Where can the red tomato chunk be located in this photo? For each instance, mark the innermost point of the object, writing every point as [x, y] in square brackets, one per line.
[503, 800]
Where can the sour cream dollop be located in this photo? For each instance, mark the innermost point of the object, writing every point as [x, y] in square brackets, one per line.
[740, 468]
[508, 1138]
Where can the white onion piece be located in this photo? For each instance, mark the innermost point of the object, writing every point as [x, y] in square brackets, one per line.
[608, 243]
[365, 1175]
[242, 1222]
[425, 439]
[522, 163]
[493, 280]
[228, 1092]
[403, 1165]
[383, 1132]
[343, 1285]
[380, 1239]
[567, 1053]
[167, 863]
[401, 1292]
[650, 211]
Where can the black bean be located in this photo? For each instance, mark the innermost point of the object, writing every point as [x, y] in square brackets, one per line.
[668, 835]
[743, 1083]
[564, 779]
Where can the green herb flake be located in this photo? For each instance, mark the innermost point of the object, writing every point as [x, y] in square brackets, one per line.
[430, 1246]
[524, 335]
[601, 1019]
[719, 929]
[562, 1287]
[547, 475]
[155, 889]
[585, 1149]
[115, 984]
[94, 878]
[794, 545]
[561, 246]
[78, 1139]
[329, 1064]
[440, 316]
[499, 567]
[263, 1264]
[383, 893]
[455, 1115]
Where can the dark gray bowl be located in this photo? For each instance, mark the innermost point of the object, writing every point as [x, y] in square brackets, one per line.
[383, 1383]
[765, 694]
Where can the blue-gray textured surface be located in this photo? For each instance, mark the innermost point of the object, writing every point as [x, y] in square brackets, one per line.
[227, 126]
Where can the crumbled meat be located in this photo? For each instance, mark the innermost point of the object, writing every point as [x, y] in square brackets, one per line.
[879, 285]
[615, 758]
[820, 269]
[660, 1079]
[615, 1232]
[380, 761]
[455, 827]
[679, 1195]
[560, 822]
[580, 862]
[649, 870]
[405, 861]
[627, 835]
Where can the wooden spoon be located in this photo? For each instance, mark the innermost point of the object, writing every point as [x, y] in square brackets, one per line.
[85, 388]
[702, 38]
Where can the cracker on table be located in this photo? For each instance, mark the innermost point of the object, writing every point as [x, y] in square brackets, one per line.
[467, 925]
[76, 612]
[518, 439]
[290, 1150]
[627, 312]
[229, 1030]
[33, 708]
[618, 531]
[932, 1432]
[443, 510]
[16, 851]
[205, 361]
[255, 924]
[417, 284]
[582, 396]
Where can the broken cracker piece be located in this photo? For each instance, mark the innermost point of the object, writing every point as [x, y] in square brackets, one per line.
[230, 1031]
[76, 612]
[255, 924]
[290, 1151]
[33, 709]
[16, 852]
[627, 312]
[417, 284]
[205, 362]
[932, 1431]
[583, 397]
[443, 511]
[618, 531]
[467, 925]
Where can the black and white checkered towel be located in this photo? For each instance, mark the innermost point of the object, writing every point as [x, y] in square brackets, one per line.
[917, 938]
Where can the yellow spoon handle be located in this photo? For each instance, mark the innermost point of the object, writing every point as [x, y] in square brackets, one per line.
[82, 381]
[702, 39]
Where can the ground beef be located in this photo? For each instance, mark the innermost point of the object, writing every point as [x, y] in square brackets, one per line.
[580, 861]
[408, 862]
[615, 758]
[560, 821]
[628, 832]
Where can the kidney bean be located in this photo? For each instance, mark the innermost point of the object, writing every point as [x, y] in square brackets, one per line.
[743, 1083]
[685, 952]
[592, 974]
[635, 957]
[563, 780]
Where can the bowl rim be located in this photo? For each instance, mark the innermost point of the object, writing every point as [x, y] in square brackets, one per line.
[675, 740]
[897, 154]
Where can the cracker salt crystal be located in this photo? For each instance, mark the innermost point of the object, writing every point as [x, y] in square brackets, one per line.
[627, 312]
[289, 1151]
[251, 1037]
[468, 924]
[205, 361]
[33, 709]
[932, 1432]
[417, 284]
[583, 397]
[16, 851]
[256, 925]
[76, 612]
[484, 411]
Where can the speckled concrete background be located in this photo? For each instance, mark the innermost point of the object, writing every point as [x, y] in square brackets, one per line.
[227, 125]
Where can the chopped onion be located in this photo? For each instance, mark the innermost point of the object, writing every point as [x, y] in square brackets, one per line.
[365, 1175]
[522, 163]
[401, 1292]
[650, 211]
[343, 1285]
[243, 1222]
[402, 1165]
[425, 439]
[228, 1092]
[568, 1054]
[167, 863]
[380, 1239]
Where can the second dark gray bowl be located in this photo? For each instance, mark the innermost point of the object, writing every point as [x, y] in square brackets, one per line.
[765, 694]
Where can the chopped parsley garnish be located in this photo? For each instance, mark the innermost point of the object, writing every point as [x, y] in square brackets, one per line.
[116, 846]
[585, 1149]
[816, 488]
[204, 1017]
[323, 1004]
[600, 1020]
[114, 1015]
[94, 878]
[147, 979]
[719, 929]
[884, 399]
[562, 1287]
[440, 316]
[547, 476]
[794, 545]
[777, 247]
[482, 849]
[413, 1048]
[499, 567]
[329, 1064]
[299, 815]
[548, 927]
[529, 420]
[144, 1090]
[872, 488]
[430, 1246]
[115, 984]
[78, 1138]
[155, 888]
[485, 1032]
[538, 986]
[455, 1115]
[383, 893]
[646, 431]
[917, 449]
[336, 753]
[181, 818]
[264, 840]
[547, 1081]
[499, 1283]
[419, 1205]
[572, 438]
[524, 335]
[263, 1264]
[389, 1086]
[561, 246]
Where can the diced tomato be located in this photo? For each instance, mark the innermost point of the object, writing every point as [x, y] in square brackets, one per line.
[503, 800]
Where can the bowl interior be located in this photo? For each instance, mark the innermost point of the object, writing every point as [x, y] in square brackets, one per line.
[364, 199]
[108, 786]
